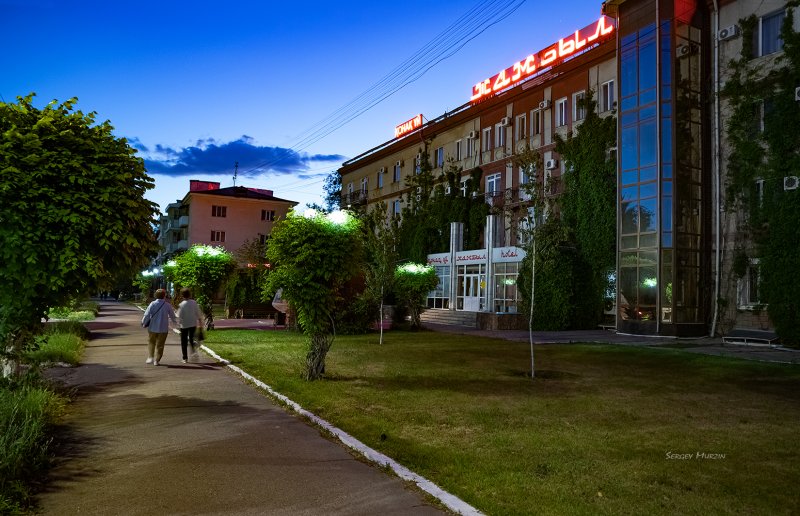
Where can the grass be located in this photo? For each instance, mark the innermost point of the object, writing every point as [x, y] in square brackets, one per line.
[601, 429]
[54, 348]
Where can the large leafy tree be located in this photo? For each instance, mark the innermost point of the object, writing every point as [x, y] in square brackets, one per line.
[412, 283]
[73, 216]
[313, 255]
[203, 269]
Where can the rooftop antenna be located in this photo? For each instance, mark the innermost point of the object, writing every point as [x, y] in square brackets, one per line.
[235, 172]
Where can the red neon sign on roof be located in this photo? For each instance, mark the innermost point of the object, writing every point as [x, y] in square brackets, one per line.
[551, 56]
[408, 126]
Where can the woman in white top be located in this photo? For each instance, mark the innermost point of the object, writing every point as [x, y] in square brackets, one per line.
[189, 317]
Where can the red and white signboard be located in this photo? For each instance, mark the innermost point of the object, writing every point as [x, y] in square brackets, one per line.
[408, 126]
[553, 55]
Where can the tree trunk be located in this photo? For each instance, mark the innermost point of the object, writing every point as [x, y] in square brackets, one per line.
[315, 359]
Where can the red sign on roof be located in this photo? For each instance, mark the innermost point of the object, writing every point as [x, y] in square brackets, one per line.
[202, 186]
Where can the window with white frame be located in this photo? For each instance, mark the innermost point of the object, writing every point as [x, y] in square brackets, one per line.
[268, 215]
[459, 150]
[486, 141]
[520, 128]
[439, 157]
[364, 185]
[767, 34]
[607, 96]
[525, 182]
[578, 107]
[493, 183]
[506, 295]
[748, 286]
[464, 186]
[536, 122]
[470, 147]
[561, 112]
[499, 136]
[396, 173]
[379, 178]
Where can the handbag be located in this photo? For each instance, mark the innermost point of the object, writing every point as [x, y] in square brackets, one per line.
[147, 322]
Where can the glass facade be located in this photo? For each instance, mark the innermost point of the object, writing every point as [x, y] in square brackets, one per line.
[661, 163]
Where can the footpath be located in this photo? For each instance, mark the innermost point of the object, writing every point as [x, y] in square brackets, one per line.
[196, 439]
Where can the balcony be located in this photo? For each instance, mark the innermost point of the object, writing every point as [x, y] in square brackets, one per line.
[183, 221]
[354, 198]
[178, 246]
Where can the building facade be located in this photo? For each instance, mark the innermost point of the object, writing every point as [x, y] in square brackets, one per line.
[225, 217]
[522, 107]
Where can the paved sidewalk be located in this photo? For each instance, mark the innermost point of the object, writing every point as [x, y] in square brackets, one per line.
[195, 439]
[706, 346]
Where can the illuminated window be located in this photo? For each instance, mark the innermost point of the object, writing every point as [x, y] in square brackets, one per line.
[380, 178]
[486, 141]
[521, 128]
[607, 96]
[439, 157]
[767, 34]
[268, 215]
[459, 154]
[561, 112]
[499, 136]
[217, 236]
[578, 107]
[219, 211]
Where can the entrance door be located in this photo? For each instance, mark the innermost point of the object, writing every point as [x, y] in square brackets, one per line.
[471, 288]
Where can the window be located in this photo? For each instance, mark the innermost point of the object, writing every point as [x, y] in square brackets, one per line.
[380, 179]
[439, 157]
[470, 147]
[561, 112]
[262, 239]
[396, 208]
[219, 211]
[748, 286]
[464, 186]
[607, 101]
[217, 236]
[499, 136]
[396, 173]
[493, 183]
[536, 122]
[459, 153]
[364, 185]
[521, 128]
[486, 141]
[525, 182]
[578, 107]
[268, 215]
[767, 34]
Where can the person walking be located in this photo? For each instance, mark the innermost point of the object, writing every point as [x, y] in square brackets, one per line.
[156, 319]
[189, 318]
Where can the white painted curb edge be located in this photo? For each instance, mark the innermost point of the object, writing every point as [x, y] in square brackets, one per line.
[453, 503]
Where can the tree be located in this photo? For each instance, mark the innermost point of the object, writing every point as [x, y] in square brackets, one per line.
[412, 283]
[246, 283]
[313, 255]
[380, 243]
[72, 213]
[203, 269]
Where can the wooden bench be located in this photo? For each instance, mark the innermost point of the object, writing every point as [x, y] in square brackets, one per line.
[748, 336]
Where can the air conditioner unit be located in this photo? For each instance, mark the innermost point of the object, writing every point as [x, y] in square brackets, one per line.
[550, 164]
[399, 163]
[544, 104]
[791, 182]
[683, 50]
[505, 121]
[797, 93]
[472, 135]
[728, 33]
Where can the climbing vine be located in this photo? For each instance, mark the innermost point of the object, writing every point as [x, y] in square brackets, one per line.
[765, 149]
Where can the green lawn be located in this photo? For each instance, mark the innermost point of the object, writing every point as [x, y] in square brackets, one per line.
[601, 430]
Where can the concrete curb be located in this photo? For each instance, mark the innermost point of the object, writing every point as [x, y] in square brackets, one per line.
[450, 501]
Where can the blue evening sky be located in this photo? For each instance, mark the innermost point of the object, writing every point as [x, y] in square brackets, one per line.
[197, 86]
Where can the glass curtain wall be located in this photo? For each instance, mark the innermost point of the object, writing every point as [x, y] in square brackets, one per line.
[661, 161]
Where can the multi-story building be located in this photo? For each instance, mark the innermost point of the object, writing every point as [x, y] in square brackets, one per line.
[524, 106]
[226, 217]
[663, 74]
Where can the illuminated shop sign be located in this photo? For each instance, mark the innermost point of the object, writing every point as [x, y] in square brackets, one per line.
[408, 126]
[551, 56]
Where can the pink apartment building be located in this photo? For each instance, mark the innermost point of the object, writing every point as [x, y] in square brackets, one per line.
[225, 217]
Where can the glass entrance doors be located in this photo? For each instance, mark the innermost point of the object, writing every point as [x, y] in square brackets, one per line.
[471, 296]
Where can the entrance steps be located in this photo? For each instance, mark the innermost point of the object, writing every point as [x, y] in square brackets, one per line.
[450, 317]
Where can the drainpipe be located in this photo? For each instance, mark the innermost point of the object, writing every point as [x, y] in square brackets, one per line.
[716, 176]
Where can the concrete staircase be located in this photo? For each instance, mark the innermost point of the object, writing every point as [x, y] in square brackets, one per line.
[449, 317]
